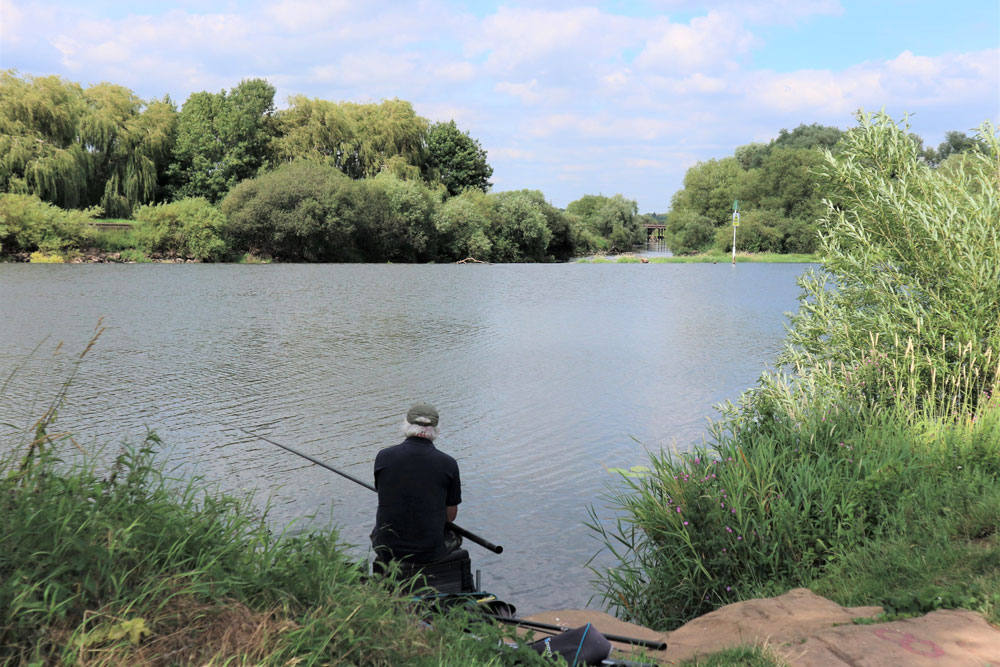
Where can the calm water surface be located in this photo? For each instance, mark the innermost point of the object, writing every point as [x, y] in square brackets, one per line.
[543, 375]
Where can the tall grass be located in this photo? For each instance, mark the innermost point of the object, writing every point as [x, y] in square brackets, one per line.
[880, 436]
[129, 566]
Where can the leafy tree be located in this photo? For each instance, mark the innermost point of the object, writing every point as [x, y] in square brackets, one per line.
[710, 188]
[786, 183]
[457, 159]
[521, 232]
[688, 232]
[808, 136]
[403, 230]
[614, 219]
[751, 156]
[39, 150]
[911, 252]
[301, 211]
[222, 139]
[464, 224]
[313, 129]
[381, 132]
[955, 143]
[128, 143]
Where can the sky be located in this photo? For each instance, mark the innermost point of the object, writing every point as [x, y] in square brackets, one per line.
[567, 97]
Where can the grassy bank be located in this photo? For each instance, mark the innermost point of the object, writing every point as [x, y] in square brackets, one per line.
[708, 258]
[868, 469]
[126, 566]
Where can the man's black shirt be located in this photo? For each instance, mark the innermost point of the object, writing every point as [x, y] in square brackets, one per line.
[415, 483]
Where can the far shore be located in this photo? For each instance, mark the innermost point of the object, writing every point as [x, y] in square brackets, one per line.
[705, 258]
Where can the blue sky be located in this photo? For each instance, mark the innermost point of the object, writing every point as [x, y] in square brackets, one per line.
[569, 98]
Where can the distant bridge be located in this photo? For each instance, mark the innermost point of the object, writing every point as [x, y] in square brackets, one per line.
[655, 231]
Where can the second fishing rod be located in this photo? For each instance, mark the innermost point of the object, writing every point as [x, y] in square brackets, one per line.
[472, 537]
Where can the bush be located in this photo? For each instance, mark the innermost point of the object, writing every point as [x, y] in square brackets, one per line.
[186, 228]
[302, 211]
[27, 224]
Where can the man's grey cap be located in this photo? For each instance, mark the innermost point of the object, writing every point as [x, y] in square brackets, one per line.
[422, 414]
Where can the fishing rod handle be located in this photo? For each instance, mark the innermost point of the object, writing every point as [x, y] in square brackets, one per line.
[472, 537]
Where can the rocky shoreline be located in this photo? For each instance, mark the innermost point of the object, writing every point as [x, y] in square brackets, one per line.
[98, 257]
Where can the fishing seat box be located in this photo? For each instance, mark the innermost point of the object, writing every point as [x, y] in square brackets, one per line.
[451, 574]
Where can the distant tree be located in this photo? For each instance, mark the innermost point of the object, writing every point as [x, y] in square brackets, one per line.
[615, 219]
[751, 156]
[710, 188]
[464, 224]
[688, 232]
[786, 183]
[808, 136]
[957, 142]
[521, 232]
[403, 230]
[129, 143]
[458, 159]
[74, 147]
[39, 149]
[299, 212]
[222, 139]
[382, 132]
[313, 129]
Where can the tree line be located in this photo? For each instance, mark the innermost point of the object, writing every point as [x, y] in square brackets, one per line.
[778, 186]
[317, 181]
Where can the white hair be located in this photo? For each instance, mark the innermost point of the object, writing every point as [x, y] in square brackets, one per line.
[419, 430]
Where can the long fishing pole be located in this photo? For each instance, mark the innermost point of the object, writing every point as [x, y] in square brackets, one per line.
[635, 641]
[472, 537]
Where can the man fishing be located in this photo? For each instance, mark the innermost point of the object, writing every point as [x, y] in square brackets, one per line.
[418, 493]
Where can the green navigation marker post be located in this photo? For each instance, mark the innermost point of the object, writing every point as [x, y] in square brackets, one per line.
[736, 223]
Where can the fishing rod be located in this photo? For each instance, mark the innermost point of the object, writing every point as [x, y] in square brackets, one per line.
[635, 641]
[472, 537]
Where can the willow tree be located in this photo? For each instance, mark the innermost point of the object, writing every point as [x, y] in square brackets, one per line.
[127, 142]
[315, 130]
[39, 150]
[389, 134]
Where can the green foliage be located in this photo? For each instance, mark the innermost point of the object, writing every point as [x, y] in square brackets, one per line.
[613, 219]
[128, 143]
[222, 139]
[464, 225]
[39, 150]
[709, 190]
[880, 446]
[689, 233]
[128, 566]
[28, 224]
[401, 226]
[190, 228]
[808, 136]
[457, 158]
[302, 211]
[74, 147]
[912, 254]
[521, 229]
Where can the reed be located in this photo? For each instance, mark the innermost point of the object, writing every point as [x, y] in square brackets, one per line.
[877, 438]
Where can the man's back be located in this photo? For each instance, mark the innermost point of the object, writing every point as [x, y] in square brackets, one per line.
[416, 484]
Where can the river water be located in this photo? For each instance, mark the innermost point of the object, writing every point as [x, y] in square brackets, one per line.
[544, 376]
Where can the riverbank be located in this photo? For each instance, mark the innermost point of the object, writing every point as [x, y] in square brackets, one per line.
[703, 258]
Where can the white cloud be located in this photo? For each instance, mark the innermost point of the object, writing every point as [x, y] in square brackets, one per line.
[299, 15]
[907, 82]
[708, 42]
[511, 154]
